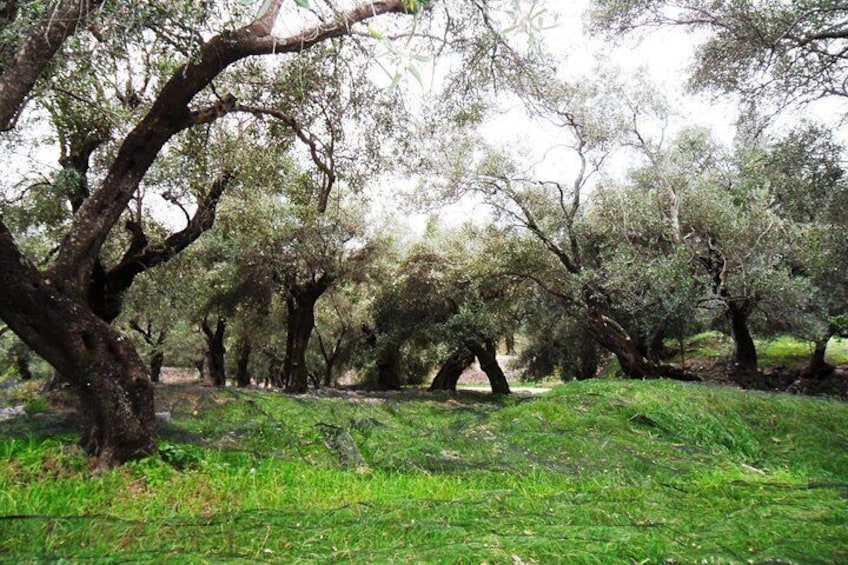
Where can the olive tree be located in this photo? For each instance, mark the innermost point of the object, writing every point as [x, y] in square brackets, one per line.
[62, 309]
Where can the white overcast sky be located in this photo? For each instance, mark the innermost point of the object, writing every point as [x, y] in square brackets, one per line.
[663, 55]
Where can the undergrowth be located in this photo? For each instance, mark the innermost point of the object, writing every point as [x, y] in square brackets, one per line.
[592, 472]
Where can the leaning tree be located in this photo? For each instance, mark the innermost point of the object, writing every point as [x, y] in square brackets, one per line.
[170, 55]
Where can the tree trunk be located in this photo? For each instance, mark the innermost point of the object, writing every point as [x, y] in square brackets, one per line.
[818, 366]
[100, 364]
[274, 377]
[387, 361]
[331, 355]
[388, 373]
[242, 374]
[744, 350]
[157, 359]
[451, 369]
[612, 337]
[300, 323]
[215, 351]
[656, 343]
[486, 353]
[587, 358]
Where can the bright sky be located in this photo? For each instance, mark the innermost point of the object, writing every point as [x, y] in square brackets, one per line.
[663, 56]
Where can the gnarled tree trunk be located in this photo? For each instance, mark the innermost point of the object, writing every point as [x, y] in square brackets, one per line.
[818, 366]
[744, 350]
[242, 372]
[215, 351]
[100, 364]
[451, 369]
[611, 336]
[486, 353]
[300, 307]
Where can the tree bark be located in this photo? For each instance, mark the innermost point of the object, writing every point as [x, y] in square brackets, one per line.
[215, 351]
[300, 308]
[451, 370]
[100, 364]
[612, 337]
[486, 353]
[157, 359]
[242, 373]
[818, 366]
[35, 53]
[744, 350]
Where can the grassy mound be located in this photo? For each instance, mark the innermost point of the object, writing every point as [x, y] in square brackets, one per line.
[592, 472]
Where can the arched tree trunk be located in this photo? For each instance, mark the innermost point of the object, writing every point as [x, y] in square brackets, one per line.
[451, 369]
[242, 373]
[215, 351]
[486, 353]
[744, 350]
[612, 337]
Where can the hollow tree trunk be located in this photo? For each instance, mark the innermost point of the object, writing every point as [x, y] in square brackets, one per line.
[451, 369]
[486, 353]
[215, 351]
[744, 350]
[242, 373]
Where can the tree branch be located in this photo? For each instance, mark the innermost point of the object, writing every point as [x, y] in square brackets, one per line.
[170, 115]
[35, 53]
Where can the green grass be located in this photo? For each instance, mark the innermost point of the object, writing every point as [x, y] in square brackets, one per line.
[591, 472]
[782, 351]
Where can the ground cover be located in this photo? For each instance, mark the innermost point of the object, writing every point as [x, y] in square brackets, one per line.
[595, 472]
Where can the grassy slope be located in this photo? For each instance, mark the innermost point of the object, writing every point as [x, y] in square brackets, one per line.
[593, 472]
